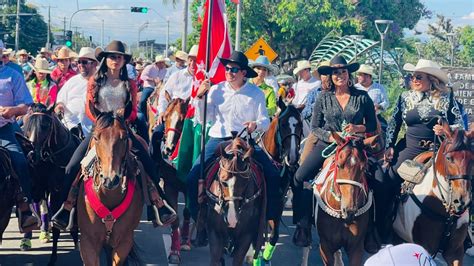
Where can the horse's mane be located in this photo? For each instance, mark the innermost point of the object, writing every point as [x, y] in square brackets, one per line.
[105, 120]
[35, 121]
[290, 109]
[176, 102]
[460, 141]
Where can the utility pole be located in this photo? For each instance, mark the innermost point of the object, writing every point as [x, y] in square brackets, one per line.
[48, 44]
[102, 35]
[17, 28]
[64, 30]
[76, 33]
[185, 29]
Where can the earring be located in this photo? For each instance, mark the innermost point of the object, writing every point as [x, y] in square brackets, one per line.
[350, 83]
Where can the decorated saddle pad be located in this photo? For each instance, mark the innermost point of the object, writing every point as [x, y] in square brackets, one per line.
[326, 174]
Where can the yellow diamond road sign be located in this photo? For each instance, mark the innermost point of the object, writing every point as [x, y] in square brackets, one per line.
[261, 47]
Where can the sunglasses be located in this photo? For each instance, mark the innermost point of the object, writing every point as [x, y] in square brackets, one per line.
[84, 62]
[232, 69]
[115, 57]
[417, 77]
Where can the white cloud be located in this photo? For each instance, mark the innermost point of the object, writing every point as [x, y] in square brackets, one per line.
[470, 16]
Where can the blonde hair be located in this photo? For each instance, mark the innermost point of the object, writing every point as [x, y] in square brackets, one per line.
[438, 87]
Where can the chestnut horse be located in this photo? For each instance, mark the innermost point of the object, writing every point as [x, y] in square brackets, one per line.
[344, 200]
[174, 121]
[48, 145]
[282, 143]
[9, 188]
[109, 206]
[236, 202]
[436, 215]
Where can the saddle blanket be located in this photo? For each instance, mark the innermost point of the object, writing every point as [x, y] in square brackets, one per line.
[327, 173]
[89, 158]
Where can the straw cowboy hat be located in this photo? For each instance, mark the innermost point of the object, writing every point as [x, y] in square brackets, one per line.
[64, 53]
[41, 66]
[366, 69]
[114, 47]
[428, 67]
[87, 52]
[338, 62]
[139, 67]
[301, 65]
[262, 61]
[181, 55]
[194, 51]
[22, 52]
[160, 58]
[44, 50]
[7, 51]
[240, 59]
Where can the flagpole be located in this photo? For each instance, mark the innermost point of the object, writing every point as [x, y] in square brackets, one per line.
[204, 120]
[238, 28]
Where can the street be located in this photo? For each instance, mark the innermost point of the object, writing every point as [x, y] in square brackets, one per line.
[153, 247]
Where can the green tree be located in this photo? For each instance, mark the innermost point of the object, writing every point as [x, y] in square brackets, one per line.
[33, 29]
[466, 39]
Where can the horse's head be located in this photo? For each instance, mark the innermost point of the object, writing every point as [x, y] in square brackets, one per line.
[289, 132]
[38, 128]
[350, 178]
[234, 177]
[455, 162]
[111, 140]
[174, 120]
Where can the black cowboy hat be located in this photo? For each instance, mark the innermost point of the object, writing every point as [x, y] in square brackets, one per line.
[240, 59]
[114, 47]
[338, 62]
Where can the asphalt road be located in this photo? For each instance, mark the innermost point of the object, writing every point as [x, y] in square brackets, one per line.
[154, 245]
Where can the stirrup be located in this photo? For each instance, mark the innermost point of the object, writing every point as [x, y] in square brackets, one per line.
[70, 225]
[32, 227]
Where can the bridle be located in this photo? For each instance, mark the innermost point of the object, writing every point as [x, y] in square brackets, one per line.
[46, 153]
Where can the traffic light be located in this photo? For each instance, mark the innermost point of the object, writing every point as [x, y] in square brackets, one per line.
[68, 38]
[138, 9]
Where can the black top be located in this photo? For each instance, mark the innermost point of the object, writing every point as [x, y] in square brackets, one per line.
[328, 114]
[416, 110]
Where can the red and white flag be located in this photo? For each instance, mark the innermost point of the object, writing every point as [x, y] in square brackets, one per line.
[220, 46]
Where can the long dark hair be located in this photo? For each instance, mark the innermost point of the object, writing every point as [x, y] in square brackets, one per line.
[32, 75]
[100, 78]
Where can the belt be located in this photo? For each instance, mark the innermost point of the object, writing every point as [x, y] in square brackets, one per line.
[427, 144]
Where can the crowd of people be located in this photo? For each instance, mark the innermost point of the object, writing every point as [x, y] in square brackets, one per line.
[327, 94]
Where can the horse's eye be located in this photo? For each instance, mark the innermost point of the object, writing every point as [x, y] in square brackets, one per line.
[449, 158]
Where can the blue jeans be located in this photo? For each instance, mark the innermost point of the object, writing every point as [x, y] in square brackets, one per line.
[19, 162]
[272, 178]
[146, 92]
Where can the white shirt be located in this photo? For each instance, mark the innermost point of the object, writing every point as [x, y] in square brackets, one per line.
[179, 85]
[229, 109]
[302, 89]
[273, 82]
[73, 96]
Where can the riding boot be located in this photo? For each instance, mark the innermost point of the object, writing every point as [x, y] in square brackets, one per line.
[64, 217]
[163, 214]
[28, 219]
[372, 242]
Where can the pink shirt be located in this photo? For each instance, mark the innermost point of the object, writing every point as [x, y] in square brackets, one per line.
[152, 72]
[61, 78]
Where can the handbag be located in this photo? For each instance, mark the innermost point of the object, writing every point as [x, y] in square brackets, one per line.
[413, 171]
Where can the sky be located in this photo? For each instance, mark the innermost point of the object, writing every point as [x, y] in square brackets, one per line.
[124, 25]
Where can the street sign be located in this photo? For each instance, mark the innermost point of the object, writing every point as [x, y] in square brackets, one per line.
[261, 47]
[462, 81]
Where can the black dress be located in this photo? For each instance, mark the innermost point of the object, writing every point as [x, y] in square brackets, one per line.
[328, 116]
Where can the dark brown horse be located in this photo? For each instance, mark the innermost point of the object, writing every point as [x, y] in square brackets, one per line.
[236, 203]
[282, 143]
[436, 215]
[174, 120]
[48, 145]
[9, 187]
[109, 206]
[344, 200]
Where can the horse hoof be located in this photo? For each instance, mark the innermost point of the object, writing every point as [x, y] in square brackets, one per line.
[25, 244]
[185, 245]
[174, 258]
[470, 251]
[44, 237]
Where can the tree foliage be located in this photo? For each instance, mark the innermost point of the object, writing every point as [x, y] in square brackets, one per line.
[33, 29]
[294, 27]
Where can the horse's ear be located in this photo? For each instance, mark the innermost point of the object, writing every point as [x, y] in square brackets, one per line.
[50, 109]
[187, 100]
[248, 154]
[447, 129]
[121, 112]
[339, 140]
[371, 141]
[281, 104]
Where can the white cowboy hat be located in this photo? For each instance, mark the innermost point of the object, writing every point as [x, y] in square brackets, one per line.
[7, 51]
[42, 65]
[262, 61]
[22, 52]
[428, 67]
[44, 50]
[87, 52]
[366, 69]
[194, 51]
[301, 65]
[160, 58]
[403, 254]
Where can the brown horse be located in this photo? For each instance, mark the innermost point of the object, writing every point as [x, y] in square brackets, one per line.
[344, 200]
[109, 207]
[9, 187]
[151, 105]
[173, 121]
[282, 143]
[236, 203]
[436, 215]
